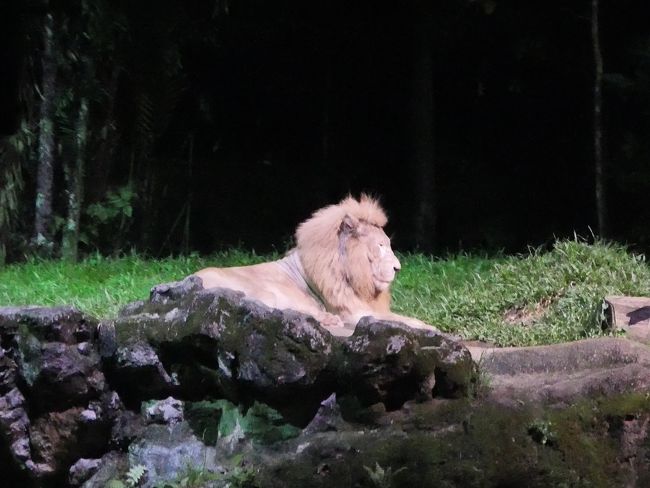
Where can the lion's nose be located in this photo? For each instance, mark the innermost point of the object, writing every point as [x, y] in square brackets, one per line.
[397, 266]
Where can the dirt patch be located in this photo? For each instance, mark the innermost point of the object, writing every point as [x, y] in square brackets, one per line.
[528, 315]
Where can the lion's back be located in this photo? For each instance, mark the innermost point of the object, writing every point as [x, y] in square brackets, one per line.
[265, 282]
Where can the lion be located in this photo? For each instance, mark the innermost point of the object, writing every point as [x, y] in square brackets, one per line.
[340, 270]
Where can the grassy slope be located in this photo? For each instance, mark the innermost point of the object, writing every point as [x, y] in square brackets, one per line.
[557, 294]
[101, 286]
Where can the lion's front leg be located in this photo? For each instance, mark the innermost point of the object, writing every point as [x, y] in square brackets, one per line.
[333, 324]
[410, 321]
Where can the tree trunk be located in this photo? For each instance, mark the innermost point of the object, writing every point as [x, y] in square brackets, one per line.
[45, 174]
[75, 181]
[99, 171]
[422, 131]
[11, 184]
[599, 163]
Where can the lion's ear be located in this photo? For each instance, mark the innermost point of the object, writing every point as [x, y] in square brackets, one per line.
[349, 225]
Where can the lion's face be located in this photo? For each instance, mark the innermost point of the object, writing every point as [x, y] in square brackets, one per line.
[383, 262]
[371, 264]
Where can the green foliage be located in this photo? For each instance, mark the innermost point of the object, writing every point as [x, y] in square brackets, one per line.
[108, 221]
[541, 431]
[117, 204]
[192, 477]
[114, 484]
[380, 477]
[204, 417]
[135, 475]
[223, 419]
[480, 382]
[240, 476]
[99, 286]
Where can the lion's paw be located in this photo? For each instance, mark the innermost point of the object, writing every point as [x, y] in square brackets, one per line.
[334, 325]
[327, 319]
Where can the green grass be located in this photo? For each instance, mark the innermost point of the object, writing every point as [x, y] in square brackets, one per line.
[101, 286]
[559, 292]
[549, 297]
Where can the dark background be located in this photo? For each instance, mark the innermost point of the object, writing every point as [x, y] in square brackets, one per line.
[252, 114]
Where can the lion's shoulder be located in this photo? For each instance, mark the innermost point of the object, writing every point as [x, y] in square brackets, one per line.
[273, 283]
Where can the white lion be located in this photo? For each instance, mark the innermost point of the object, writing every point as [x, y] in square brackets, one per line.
[340, 270]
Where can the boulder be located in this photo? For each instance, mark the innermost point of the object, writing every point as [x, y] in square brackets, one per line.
[217, 343]
[390, 363]
[82, 470]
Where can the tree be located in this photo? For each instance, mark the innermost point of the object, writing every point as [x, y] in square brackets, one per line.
[43, 217]
[74, 176]
[11, 185]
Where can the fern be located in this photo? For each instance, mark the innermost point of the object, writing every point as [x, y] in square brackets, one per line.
[135, 475]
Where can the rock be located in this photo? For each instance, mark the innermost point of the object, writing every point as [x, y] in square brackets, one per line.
[59, 438]
[469, 444]
[220, 344]
[48, 324]
[126, 428]
[82, 470]
[8, 371]
[52, 409]
[168, 451]
[14, 425]
[48, 350]
[389, 362]
[58, 376]
[167, 292]
[15, 448]
[630, 315]
[168, 411]
[559, 374]
[328, 418]
[138, 374]
[112, 466]
[107, 344]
